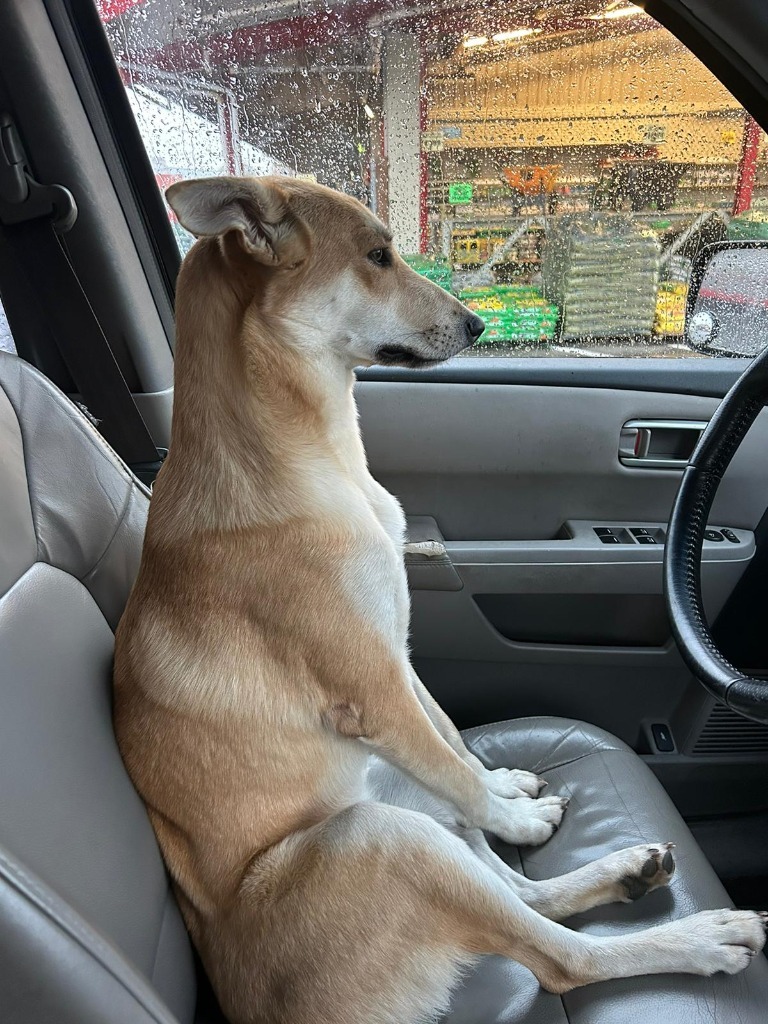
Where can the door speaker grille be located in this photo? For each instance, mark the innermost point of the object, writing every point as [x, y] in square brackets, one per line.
[728, 733]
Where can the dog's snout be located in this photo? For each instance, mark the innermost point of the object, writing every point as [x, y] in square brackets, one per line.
[474, 327]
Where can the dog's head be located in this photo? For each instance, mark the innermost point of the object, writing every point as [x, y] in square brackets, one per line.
[326, 268]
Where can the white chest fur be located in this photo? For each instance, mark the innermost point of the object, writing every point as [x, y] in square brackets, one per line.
[374, 574]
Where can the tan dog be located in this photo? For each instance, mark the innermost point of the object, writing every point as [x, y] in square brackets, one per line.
[262, 659]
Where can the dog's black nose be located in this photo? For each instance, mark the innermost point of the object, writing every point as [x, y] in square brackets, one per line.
[474, 327]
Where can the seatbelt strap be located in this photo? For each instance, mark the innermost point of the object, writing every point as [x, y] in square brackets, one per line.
[82, 343]
[34, 216]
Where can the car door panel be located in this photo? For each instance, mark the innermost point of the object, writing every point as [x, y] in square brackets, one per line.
[508, 483]
[507, 462]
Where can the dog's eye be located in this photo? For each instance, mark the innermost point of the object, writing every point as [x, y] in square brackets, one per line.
[381, 257]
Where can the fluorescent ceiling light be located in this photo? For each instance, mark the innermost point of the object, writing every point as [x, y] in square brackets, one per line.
[475, 41]
[516, 33]
[369, 112]
[618, 12]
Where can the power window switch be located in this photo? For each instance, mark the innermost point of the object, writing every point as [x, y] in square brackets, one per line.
[640, 531]
[646, 540]
[731, 536]
[713, 535]
[603, 531]
[610, 539]
[662, 737]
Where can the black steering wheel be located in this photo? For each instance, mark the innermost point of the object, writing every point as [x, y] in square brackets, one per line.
[682, 555]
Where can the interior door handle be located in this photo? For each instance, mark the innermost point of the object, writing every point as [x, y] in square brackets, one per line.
[659, 444]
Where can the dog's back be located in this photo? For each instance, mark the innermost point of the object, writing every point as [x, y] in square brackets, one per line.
[246, 631]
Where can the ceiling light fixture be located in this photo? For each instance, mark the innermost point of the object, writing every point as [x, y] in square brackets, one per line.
[632, 10]
[475, 41]
[515, 33]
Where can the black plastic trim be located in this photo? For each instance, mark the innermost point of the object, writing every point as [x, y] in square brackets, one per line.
[92, 64]
[691, 22]
[710, 378]
[739, 630]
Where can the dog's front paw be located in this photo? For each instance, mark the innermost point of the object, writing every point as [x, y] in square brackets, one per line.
[715, 940]
[513, 782]
[526, 822]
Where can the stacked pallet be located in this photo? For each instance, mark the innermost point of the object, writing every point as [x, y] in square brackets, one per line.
[604, 275]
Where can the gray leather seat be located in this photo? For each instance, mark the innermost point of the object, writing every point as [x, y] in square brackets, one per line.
[89, 930]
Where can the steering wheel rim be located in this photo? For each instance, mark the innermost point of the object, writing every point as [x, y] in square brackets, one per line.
[746, 695]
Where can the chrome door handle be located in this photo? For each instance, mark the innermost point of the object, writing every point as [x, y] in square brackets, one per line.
[659, 444]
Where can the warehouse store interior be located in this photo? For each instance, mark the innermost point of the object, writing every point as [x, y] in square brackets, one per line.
[556, 165]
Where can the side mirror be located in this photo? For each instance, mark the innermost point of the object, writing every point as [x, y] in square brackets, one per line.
[727, 310]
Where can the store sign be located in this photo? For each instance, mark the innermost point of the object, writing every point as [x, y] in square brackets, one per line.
[432, 142]
[654, 134]
[533, 179]
[460, 192]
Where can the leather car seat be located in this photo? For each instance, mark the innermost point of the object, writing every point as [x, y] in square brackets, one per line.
[89, 929]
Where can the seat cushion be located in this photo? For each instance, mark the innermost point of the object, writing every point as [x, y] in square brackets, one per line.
[615, 801]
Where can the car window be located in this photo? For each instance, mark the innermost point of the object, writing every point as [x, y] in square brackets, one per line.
[556, 166]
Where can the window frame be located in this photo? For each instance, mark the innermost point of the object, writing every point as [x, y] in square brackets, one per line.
[89, 56]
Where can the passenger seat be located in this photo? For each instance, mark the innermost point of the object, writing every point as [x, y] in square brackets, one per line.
[89, 929]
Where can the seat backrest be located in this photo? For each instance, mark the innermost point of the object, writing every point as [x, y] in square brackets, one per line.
[89, 929]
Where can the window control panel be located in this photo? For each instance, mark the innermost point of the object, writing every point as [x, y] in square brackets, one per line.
[629, 535]
[655, 535]
[608, 535]
[720, 535]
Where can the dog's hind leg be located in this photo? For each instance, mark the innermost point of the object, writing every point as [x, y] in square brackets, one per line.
[620, 877]
[373, 913]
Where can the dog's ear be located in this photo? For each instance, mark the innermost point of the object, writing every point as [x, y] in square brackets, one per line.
[256, 208]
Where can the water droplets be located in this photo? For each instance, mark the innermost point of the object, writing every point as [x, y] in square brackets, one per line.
[483, 135]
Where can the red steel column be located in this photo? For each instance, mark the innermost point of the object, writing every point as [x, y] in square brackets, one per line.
[230, 133]
[745, 181]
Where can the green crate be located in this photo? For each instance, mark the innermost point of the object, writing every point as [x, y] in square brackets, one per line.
[743, 229]
[524, 315]
[435, 269]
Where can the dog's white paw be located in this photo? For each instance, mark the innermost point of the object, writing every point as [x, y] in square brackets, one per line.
[513, 782]
[717, 940]
[526, 822]
[637, 870]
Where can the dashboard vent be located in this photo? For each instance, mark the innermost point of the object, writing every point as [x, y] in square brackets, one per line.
[729, 733]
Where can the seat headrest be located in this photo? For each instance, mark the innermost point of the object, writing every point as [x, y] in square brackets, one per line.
[66, 498]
